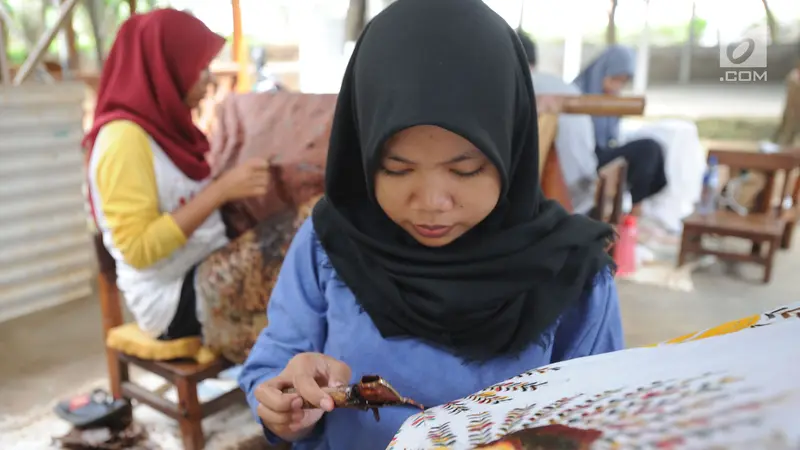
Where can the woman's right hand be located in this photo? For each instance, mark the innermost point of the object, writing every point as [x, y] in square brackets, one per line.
[248, 179]
[307, 373]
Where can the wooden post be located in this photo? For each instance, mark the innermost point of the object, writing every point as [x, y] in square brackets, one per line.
[68, 54]
[5, 65]
[237, 30]
[685, 65]
[69, 35]
[239, 50]
[94, 21]
[38, 52]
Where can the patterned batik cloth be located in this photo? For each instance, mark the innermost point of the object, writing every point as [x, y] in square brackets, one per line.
[234, 283]
[735, 386]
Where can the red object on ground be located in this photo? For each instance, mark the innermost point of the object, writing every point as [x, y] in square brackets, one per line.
[625, 248]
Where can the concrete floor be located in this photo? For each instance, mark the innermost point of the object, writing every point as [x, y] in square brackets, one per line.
[55, 352]
[47, 354]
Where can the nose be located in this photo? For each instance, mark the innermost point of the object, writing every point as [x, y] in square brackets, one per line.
[435, 196]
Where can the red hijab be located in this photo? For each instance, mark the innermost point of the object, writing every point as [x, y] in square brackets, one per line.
[156, 59]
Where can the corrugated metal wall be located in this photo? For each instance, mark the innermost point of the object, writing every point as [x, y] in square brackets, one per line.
[46, 256]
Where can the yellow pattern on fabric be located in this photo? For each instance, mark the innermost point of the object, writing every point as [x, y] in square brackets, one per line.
[726, 328]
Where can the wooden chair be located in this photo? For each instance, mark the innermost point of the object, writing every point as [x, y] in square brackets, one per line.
[766, 224]
[790, 215]
[611, 186]
[184, 375]
[611, 177]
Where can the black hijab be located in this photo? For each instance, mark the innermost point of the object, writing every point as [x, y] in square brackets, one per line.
[455, 64]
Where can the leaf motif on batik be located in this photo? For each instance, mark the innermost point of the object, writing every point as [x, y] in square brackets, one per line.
[422, 418]
[441, 435]
[488, 398]
[456, 407]
[513, 386]
[513, 419]
[539, 371]
[479, 428]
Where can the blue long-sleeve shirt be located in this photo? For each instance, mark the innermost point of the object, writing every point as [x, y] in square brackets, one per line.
[312, 310]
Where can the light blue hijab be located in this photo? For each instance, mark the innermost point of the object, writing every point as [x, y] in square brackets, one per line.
[615, 60]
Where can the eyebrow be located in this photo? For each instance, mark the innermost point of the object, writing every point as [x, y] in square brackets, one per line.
[462, 157]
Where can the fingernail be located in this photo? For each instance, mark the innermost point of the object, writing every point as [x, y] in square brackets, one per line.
[297, 403]
[326, 404]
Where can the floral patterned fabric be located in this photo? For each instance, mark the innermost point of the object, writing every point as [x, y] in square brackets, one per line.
[738, 389]
[234, 283]
[288, 129]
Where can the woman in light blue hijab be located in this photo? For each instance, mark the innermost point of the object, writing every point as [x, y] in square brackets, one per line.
[607, 75]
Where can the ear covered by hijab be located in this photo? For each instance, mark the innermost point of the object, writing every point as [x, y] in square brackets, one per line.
[454, 64]
[614, 61]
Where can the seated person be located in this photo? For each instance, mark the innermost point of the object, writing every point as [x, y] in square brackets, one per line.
[432, 260]
[608, 74]
[151, 193]
[574, 139]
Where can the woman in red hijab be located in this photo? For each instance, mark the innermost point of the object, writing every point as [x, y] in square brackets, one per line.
[151, 194]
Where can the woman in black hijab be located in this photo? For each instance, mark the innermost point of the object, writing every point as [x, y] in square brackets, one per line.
[433, 258]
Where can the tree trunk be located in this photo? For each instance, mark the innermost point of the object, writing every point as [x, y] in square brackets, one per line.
[685, 67]
[772, 24]
[611, 30]
[356, 19]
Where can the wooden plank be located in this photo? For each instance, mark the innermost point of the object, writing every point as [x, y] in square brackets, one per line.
[238, 38]
[160, 404]
[603, 105]
[5, 18]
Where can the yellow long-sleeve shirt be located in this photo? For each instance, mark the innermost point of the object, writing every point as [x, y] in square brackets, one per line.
[126, 184]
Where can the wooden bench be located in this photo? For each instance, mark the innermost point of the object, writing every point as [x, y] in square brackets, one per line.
[766, 223]
[184, 375]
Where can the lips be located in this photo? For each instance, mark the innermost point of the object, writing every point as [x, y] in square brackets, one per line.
[432, 231]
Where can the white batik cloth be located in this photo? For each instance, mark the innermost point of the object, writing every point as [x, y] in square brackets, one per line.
[738, 390]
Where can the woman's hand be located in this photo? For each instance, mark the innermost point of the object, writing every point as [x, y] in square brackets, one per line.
[249, 179]
[307, 373]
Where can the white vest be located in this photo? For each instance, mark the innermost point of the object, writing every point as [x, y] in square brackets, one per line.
[152, 294]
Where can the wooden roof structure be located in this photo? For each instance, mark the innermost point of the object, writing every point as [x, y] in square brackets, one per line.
[64, 22]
